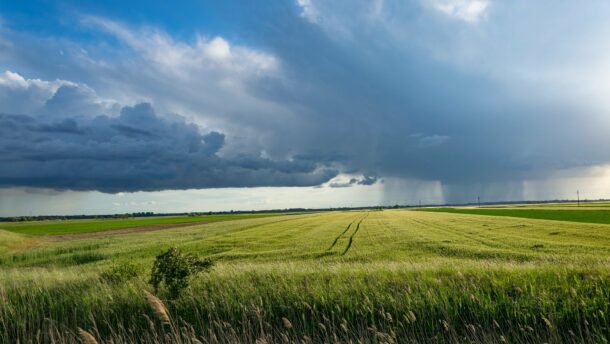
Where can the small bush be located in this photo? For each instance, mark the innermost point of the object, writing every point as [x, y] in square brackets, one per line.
[120, 273]
[174, 269]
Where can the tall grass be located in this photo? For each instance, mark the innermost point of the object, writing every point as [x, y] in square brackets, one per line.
[354, 303]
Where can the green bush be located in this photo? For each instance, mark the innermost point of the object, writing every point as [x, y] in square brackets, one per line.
[174, 269]
[120, 273]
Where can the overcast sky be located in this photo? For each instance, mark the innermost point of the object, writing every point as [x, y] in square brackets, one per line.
[108, 107]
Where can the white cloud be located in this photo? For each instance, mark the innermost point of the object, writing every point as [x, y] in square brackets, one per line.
[183, 58]
[309, 11]
[21, 95]
[13, 80]
[209, 80]
[34, 96]
[217, 48]
[466, 10]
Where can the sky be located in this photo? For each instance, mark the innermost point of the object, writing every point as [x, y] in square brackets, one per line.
[114, 106]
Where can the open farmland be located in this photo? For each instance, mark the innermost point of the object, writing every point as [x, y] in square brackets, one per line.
[572, 215]
[59, 227]
[369, 276]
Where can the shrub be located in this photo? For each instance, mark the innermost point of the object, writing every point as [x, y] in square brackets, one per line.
[120, 273]
[174, 269]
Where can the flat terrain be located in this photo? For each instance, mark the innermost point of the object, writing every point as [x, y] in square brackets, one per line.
[374, 276]
[60, 227]
[572, 214]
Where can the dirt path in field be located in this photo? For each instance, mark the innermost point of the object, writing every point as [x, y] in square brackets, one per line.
[127, 230]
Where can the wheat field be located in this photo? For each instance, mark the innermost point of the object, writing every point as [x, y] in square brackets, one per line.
[391, 276]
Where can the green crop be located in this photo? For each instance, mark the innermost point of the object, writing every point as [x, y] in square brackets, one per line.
[394, 276]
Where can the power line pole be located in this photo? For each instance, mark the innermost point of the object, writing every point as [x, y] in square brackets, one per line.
[578, 197]
[479, 201]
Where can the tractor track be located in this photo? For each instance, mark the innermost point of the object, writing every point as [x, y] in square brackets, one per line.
[340, 235]
[351, 238]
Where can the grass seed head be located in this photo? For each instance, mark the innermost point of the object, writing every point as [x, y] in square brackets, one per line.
[86, 337]
[547, 322]
[287, 323]
[157, 305]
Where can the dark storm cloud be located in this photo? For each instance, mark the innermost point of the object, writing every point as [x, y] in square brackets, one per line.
[137, 150]
[365, 180]
[410, 92]
[474, 97]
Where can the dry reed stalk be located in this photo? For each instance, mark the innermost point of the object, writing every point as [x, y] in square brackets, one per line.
[287, 323]
[157, 305]
[86, 337]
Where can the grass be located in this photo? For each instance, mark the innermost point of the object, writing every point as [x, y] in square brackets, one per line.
[59, 227]
[587, 216]
[583, 204]
[10, 242]
[375, 277]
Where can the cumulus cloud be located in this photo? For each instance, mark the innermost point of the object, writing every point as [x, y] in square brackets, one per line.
[136, 150]
[19, 95]
[208, 79]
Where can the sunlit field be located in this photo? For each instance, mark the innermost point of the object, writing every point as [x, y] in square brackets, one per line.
[588, 215]
[99, 225]
[390, 276]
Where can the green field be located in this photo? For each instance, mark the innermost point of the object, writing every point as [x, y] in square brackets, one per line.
[60, 227]
[573, 205]
[392, 276]
[571, 215]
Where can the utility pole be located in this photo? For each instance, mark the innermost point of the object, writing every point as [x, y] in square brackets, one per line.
[479, 201]
[578, 197]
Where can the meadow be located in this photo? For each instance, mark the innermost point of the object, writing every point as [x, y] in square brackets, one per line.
[391, 276]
